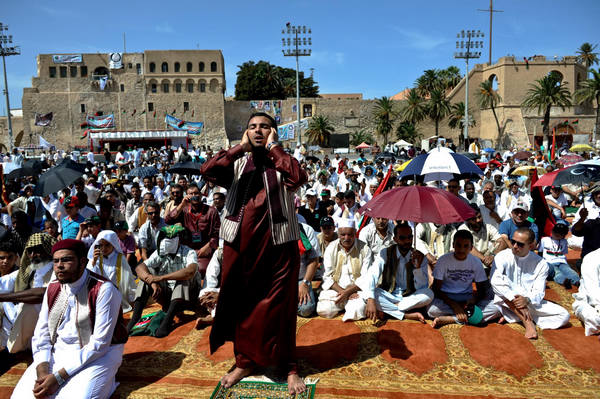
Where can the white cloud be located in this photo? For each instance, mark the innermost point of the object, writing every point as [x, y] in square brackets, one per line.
[418, 40]
[327, 58]
[164, 28]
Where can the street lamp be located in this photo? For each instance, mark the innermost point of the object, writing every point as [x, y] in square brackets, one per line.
[464, 46]
[296, 43]
[6, 48]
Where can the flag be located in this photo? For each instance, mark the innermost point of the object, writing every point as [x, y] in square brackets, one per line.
[44, 143]
[97, 114]
[124, 111]
[193, 113]
[566, 122]
[102, 82]
[133, 113]
[541, 214]
[83, 125]
[43, 120]
[143, 112]
[365, 220]
[154, 114]
[181, 123]
[5, 198]
[174, 111]
[575, 122]
[553, 154]
[84, 135]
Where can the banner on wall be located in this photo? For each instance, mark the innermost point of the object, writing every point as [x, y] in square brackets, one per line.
[179, 124]
[288, 131]
[115, 60]
[67, 58]
[43, 119]
[101, 122]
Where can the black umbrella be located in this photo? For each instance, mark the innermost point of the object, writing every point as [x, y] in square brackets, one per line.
[59, 177]
[469, 155]
[35, 164]
[186, 168]
[312, 157]
[143, 171]
[21, 172]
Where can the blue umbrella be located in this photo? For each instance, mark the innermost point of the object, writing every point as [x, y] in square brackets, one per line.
[489, 149]
[143, 171]
[441, 165]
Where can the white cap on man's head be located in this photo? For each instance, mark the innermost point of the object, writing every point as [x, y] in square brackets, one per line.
[346, 222]
[520, 204]
[310, 191]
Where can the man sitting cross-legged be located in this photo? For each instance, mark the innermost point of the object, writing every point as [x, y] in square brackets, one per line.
[169, 275]
[404, 279]
[519, 282]
[587, 301]
[79, 337]
[454, 275]
[346, 281]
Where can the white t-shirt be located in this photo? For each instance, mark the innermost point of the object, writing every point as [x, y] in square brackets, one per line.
[457, 276]
[561, 200]
[554, 251]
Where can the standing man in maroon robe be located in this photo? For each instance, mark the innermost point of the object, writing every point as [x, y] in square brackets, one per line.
[259, 281]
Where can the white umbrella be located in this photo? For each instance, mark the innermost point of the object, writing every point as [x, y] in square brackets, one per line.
[440, 149]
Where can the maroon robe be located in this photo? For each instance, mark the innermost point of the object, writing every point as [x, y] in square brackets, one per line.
[258, 299]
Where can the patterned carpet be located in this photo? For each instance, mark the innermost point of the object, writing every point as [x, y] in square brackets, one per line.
[398, 359]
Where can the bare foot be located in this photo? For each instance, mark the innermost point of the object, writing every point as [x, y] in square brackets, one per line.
[203, 321]
[235, 376]
[295, 384]
[530, 331]
[501, 320]
[442, 321]
[415, 316]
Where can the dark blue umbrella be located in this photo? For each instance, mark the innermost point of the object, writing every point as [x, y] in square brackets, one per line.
[489, 149]
[441, 165]
[143, 171]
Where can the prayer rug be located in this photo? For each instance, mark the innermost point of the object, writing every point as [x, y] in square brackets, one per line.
[259, 389]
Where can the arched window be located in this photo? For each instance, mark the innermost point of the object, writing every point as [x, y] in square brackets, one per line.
[153, 86]
[188, 67]
[494, 79]
[214, 84]
[152, 67]
[189, 85]
[100, 71]
[164, 67]
[177, 85]
[213, 66]
[557, 75]
[177, 67]
[201, 67]
[202, 86]
[165, 86]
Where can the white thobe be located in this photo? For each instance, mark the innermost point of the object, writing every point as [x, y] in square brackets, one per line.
[127, 283]
[371, 237]
[393, 303]
[587, 301]
[355, 309]
[91, 368]
[525, 276]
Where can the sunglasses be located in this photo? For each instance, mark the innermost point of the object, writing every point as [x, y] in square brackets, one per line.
[151, 213]
[400, 237]
[519, 244]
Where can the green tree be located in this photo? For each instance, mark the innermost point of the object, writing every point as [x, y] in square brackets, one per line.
[545, 93]
[438, 107]
[590, 91]
[264, 81]
[489, 98]
[361, 136]
[384, 115]
[414, 109]
[457, 114]
[450, 77]
[429, 81]
[319, 130]
[408, 132]
[587, 56]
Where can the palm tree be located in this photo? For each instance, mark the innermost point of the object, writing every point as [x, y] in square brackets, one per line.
[489, 98]
[361, 136]
[384, 116]
[414, 109]
[429, 81]
[450, 77]
[586, 55]
[543, 95]
[408, 132]
[438, 107]
[319, 130]
[457, 116]
[590, 91]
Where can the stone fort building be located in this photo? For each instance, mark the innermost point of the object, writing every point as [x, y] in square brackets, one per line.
[192, 83]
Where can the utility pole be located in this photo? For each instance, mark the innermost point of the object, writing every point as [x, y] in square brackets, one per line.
[491, 11]
[463, 50]
[6, 48]
[294, 41]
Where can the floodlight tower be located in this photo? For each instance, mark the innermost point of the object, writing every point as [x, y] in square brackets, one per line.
[298, 41]
[466, 41]
[6, 48]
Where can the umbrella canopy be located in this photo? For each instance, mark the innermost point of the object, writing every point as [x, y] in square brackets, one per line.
[489, 149]
[441, 165]
[311, 157]
[35, 164]
[581, 148]
[522, 155]
[524, 170]
[469, 155]
[403, 143]
[143, 171]
[186, 168]
[570, 159]
[401, 167]
[419, 204]
[440, 149]
[362, 146]
[386, 155]
[576, 174]
[21, 172]
[59, 177]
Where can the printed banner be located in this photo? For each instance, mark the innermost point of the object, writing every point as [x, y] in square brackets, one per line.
[66, 58]
[43, 120]
[288, 131]
[115, 60]
[178, 124]
[101, 122]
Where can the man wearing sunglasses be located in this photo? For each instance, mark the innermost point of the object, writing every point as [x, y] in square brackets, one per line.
[519, 284]
[149, 230]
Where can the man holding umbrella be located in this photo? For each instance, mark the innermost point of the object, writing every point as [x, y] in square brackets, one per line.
[587, 223]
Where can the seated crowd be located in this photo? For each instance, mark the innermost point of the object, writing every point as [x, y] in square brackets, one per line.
[72, 262]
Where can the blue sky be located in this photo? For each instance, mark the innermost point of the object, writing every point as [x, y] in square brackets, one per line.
[376, 47]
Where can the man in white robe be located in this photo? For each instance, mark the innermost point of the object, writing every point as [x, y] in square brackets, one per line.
[519, 284]
[73, 357]
[346, 282]
[587, 301]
